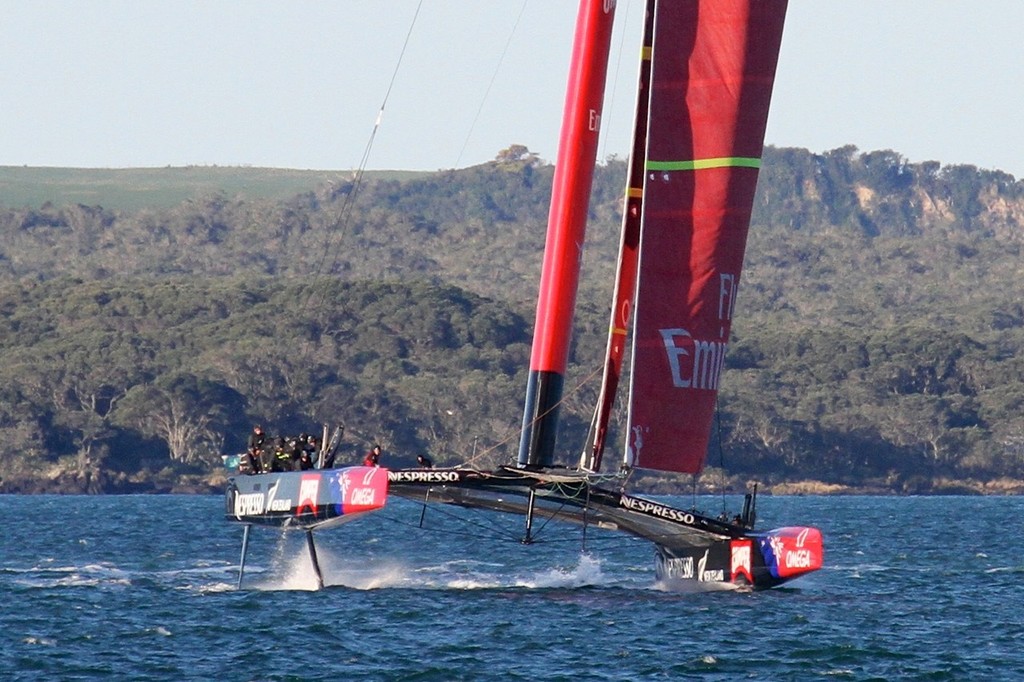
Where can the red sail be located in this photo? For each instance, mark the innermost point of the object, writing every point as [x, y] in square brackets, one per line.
[713, 66]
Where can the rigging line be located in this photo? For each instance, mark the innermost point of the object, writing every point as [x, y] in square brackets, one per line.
[598, 544]
[586, 521]
[490, 527]
[721, 450]
[488, 532]
[431, 529]
[346, 210]
[615, 79]
[513, 435]
[494, 77]
[554, 514]
[493, 532]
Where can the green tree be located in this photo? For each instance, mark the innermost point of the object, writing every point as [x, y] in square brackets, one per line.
[190, 414]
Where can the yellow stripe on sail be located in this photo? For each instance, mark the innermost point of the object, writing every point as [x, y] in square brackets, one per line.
[701, 164]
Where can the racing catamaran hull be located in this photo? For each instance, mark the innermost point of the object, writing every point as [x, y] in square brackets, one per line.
[306, 500]
[689, 547]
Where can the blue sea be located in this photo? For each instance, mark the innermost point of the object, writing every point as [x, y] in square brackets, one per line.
[143, 588]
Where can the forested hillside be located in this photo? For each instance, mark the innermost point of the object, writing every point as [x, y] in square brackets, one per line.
[877, 340]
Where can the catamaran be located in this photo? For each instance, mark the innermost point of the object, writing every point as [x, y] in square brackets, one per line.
[705, 82]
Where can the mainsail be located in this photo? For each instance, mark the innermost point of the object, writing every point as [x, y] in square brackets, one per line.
[713, 65]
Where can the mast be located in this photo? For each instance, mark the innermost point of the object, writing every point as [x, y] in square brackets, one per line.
[625, 277]
[570, 197]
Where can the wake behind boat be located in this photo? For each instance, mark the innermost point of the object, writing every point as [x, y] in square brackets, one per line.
[703, 94]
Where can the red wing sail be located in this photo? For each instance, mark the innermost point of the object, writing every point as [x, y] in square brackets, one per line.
[567, 220]
[713, 65]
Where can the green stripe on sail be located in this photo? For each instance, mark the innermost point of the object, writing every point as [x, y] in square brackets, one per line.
[700, 164]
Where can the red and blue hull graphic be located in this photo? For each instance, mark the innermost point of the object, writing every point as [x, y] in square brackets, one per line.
[790, 552]
[306, 499]
[758, 560]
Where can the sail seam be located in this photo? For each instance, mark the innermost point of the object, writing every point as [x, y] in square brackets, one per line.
[701, 164]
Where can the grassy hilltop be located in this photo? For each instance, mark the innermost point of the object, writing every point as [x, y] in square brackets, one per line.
[130, 189]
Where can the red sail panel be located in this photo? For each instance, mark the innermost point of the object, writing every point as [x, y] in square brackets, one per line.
[712, 73]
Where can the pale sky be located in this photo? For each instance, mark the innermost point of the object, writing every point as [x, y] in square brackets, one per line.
[298, 83]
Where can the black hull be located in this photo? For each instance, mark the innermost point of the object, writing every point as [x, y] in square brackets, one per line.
[690, 548]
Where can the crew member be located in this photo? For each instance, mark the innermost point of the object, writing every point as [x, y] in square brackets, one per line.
[254, 452]
[297, 446]
[424, 462]
[372, 457]
[312, 450]
[282, 459]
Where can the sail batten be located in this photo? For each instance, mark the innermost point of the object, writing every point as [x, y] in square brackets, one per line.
[703, 164]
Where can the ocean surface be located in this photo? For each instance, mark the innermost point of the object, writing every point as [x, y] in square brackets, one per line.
[143, 588]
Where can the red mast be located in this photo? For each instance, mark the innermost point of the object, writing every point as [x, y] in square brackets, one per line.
[570, 197]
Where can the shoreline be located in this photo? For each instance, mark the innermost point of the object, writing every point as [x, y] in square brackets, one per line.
[213, 483]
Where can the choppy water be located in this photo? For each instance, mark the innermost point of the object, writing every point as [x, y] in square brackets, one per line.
[142, 587]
